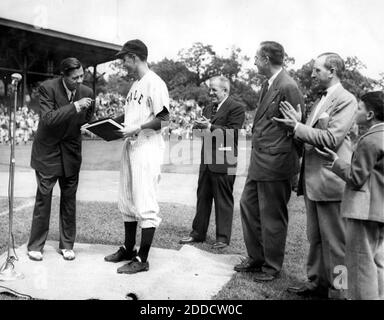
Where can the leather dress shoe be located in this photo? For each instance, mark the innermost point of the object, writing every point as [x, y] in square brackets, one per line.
[219, 245]
[305, 291]
[68, 254]
[264, 276]
[189, 239]
[134, 266]
[35, 255]
[121, 255]
[248, 265]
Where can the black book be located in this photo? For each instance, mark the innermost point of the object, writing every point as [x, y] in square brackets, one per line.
[106, 129]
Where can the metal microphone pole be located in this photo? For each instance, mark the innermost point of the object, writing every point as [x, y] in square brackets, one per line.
[7, 270]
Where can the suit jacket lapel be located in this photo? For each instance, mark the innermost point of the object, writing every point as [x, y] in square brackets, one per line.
[265, 83]
[309, 120]
[329, 100]
[269, 96]
[221, 110]
[63, 92]
[77, 94]
[379, 128]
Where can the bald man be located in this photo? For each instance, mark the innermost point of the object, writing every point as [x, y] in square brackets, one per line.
[221, 123]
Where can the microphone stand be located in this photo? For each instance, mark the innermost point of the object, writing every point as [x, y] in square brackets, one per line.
[7, 270]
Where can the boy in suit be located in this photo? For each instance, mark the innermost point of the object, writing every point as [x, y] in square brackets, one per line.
[363, 202]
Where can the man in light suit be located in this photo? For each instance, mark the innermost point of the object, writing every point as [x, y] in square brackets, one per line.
[218, 164]
[274, 162]
[328, 125]
[65, 104]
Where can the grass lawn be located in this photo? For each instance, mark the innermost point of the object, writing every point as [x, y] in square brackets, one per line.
[179, 156]
[4, 205]
[99, 222]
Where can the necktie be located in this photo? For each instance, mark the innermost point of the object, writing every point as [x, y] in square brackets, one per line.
[264, 90]
[214, 110]
[322, 93]
[72, 97]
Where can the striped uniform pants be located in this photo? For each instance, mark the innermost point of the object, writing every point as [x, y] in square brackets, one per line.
[139, 178]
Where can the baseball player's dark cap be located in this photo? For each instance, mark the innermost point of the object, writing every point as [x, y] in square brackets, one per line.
[136, 47]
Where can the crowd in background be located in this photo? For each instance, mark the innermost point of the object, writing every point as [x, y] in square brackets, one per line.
[109, 105]
[182, 113]
[182, 116]
[26, 125]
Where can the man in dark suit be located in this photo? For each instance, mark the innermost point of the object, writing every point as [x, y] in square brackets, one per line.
[274, 162]
[218, 164]
[65, 105]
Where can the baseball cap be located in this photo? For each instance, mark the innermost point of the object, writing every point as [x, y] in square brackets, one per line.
[135, 46]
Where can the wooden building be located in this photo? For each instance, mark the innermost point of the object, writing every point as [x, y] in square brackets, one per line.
[36, 53]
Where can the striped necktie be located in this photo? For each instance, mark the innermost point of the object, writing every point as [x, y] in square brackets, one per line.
[264, 90]
[214, 110]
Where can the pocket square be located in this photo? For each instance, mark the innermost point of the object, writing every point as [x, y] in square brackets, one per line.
[324, 115]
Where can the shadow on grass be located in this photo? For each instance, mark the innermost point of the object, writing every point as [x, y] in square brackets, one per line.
[99, 222]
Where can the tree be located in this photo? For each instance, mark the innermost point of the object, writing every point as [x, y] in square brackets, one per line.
[118, 84]
[100, 80]
[353, 80]
[244, 93]
[205, 63]
[191, 92]
[174, 73]
[198, 59]
[181, 82]
[380, 82]
[354, 64]
[288, 60]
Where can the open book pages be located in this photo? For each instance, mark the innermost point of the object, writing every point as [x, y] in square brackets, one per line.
[107, 129]
[101, 122]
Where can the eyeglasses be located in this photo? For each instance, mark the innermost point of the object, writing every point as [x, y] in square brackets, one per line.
[260, 58]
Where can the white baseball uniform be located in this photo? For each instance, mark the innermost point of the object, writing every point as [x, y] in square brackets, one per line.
[142, 157]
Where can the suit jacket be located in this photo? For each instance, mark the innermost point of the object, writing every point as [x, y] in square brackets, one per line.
[329, 128]
[220, 152]
[364, 176]
[56, 147]
[274, 155]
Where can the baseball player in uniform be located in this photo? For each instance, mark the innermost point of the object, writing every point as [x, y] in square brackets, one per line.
[146, 107]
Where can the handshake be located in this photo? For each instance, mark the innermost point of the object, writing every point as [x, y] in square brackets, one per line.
[83, 103]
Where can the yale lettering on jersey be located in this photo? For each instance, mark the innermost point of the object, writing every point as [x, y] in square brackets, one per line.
[134, 97]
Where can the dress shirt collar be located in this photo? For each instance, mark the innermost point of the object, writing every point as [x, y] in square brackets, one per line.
[221, 103]
[271, 79]
[69, 92]
[333, 88]
[376, 125]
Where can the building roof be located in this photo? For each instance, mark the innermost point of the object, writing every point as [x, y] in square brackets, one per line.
[20, 40]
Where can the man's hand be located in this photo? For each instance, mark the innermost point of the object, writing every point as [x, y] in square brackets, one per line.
[327, 153]
[291, 116]
[203, 123]
[129, 132]
[83, 103]
[288, 108]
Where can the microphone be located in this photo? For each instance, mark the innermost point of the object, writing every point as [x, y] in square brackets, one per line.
[16, 77]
